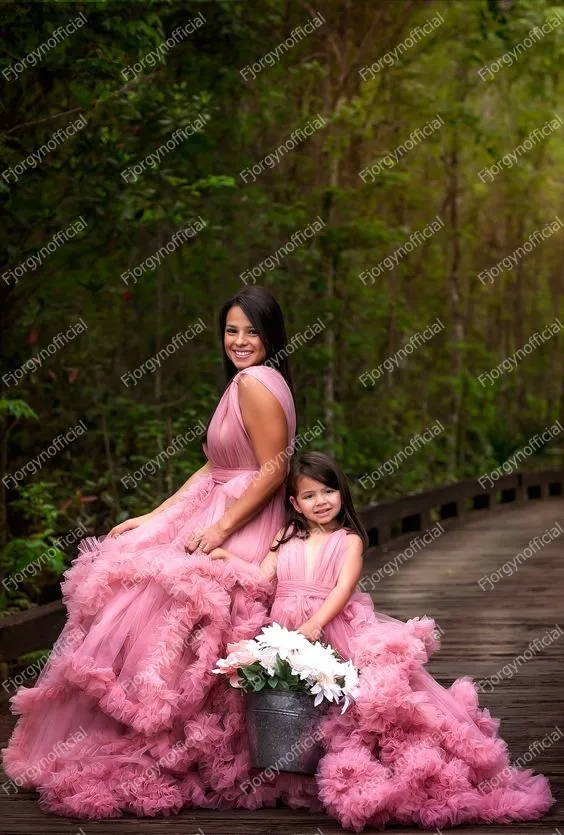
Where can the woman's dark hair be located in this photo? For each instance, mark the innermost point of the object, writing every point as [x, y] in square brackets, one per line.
[323, 468]
[265, 315]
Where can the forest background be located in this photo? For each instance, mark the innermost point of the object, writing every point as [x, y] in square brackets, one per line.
[423, 108]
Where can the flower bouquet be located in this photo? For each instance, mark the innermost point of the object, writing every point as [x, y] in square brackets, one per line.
[288, 682]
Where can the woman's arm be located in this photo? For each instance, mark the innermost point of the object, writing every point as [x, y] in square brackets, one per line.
[136, 521]
[266, 425]
[175, 496]
[338, 597]
[267, 567]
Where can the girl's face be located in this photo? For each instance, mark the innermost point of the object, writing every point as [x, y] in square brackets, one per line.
[317, 502]
[242, 344]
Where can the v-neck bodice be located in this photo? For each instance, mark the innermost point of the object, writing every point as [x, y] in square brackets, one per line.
[322, 569]
[310, 562]
[300, 593]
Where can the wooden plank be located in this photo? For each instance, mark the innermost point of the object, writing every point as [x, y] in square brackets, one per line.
[483, 632]
[33, 629]
[40, 626]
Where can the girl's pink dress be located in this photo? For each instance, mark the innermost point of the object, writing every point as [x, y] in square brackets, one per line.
[127, 714]
[408, 750]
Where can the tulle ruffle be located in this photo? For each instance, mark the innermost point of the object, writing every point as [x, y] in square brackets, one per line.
[127, 715]
[411, 751]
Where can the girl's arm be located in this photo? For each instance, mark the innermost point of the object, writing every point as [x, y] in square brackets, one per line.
[338, 597]
[265, 422]
[267, 567]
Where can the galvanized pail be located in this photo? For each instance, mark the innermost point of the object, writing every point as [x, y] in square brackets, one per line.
[283, 728]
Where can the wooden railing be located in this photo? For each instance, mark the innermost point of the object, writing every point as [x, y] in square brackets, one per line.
[452, 503]
[386, 522]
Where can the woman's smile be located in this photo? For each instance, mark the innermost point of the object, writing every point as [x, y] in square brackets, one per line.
[242, 343]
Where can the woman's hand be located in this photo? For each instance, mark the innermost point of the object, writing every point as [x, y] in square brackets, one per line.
[129, 524]
[207, 539]
[311, 629]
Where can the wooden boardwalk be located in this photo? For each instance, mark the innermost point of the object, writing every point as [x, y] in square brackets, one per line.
[482, 632]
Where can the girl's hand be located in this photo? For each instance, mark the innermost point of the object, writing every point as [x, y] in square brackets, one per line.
[311, 629]
[219, 554]
[129, 525]
[206, 540]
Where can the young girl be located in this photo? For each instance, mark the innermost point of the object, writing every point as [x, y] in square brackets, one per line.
[409, 750]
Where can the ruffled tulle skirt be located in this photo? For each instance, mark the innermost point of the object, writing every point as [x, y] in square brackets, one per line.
[410, 750]
[127, 715]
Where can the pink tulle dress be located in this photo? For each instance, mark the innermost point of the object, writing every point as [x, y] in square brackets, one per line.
[127, 715]
[409, 750]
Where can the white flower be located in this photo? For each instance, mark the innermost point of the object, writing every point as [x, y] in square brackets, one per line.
[318, 666]
[315, 655]
[351, 677]
[350, 687]
[275, 642]
[241, 654]
[282, 639]
[326, 688]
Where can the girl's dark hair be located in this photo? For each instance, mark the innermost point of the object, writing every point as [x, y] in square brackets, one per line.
[265, 314]
[323, 468]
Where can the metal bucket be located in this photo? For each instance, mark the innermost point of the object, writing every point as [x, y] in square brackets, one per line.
[283, 728]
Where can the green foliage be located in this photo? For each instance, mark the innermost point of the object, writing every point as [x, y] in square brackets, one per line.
[36, 558]
[129, 116]
[254, 678]
[17, 409]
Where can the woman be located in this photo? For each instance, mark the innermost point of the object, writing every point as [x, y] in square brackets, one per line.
[127, 715]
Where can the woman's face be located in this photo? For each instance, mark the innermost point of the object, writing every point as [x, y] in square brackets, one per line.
[242, 344]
